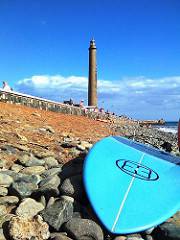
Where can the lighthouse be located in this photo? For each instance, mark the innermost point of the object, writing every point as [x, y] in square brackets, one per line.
[92, 81]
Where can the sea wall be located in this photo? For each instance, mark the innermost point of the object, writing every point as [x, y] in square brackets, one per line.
[45, 104]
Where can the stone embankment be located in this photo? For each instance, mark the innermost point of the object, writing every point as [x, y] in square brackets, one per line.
[48, 105]
[41, 190]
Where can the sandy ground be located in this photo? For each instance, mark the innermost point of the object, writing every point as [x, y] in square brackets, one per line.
[40, 130]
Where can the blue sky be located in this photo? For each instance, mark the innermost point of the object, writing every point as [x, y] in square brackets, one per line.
[44, 52]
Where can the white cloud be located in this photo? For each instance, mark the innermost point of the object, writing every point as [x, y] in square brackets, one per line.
[139, 97]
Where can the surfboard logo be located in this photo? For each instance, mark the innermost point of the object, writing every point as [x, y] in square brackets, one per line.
[137, 170]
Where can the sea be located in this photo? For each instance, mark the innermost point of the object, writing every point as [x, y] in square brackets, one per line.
[171, 127]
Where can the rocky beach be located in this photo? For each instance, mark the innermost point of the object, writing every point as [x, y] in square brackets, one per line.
[41, 161]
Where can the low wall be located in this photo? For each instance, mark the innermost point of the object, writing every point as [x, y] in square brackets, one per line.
[45, 104]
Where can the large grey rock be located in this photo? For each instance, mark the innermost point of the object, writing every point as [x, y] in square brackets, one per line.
[48, 187]
[29, 208]
[5, 180]
[83, 229]
[21, 228]
[73, 187]
[24, 185]
[58, 213]
[27, 178]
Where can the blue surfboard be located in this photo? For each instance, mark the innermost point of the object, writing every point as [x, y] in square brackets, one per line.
[131, 187]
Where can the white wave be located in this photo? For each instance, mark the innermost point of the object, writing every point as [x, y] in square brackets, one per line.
[170, 130]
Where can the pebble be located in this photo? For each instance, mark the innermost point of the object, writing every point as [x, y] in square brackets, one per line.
[3, 163]
[73, 187]
[48, 187]
[37, 170]
[10, 173]
[23, 188]
[21, 228]
[3, 210]
[134, 238]
[85, 144]
[83, 229]
[29, 208]
[49, 129]
[171, 228]
[29, 160]
[5, 180]
[43, 154]
[3, 191]
[60, 236]
[148, 237]
[50, 162]
[81, 147]
[9, 149]
[149, 231]
[50, 202]
[2, 237]
[51, 172]
[43, 200]
[21, 147]
[120, 238]
[16, 167]
[58, 213]
[9, 200]
[5, 218]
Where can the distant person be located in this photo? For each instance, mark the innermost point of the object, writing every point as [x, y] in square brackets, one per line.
[71, 101]
[6, 87]
[81, 104]
[101, 110]
[96, 109]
